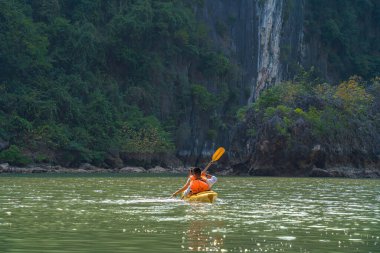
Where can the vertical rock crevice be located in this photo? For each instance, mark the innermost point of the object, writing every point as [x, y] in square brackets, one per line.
[269, 15]
[263, 38]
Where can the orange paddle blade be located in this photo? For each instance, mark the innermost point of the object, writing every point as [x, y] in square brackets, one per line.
[218, 154]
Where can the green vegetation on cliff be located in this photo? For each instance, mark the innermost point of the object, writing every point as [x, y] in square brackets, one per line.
[349, 35]
[304, 124]
[82, 81]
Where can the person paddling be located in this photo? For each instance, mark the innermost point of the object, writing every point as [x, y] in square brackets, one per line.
[193, 186]
[198, 178]
[200, 182]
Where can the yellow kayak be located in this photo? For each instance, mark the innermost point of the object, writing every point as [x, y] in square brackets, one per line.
[206, 196]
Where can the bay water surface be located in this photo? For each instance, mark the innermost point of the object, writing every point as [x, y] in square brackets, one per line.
[115, 213]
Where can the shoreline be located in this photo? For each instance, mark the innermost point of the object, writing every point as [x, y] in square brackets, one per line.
[333, 172]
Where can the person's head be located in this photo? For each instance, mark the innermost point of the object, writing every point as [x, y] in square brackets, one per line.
[197, 171]
[191, 171]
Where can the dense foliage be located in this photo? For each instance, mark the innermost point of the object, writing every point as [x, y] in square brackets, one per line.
[99, 81]
[296, 116]
[81, 81]
[349, 35]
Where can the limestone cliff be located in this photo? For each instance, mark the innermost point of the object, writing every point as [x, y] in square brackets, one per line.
[272, 41]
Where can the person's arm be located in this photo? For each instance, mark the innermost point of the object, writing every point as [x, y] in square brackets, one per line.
[186, 192]
[211, 180]
[182, 189]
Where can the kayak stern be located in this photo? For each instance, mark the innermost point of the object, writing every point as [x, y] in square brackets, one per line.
[206, 197]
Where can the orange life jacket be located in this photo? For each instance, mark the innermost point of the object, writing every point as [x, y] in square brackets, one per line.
[198, 185]
[204, 177]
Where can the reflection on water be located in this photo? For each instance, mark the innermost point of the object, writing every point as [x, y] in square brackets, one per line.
[132, 214]
[203, 235]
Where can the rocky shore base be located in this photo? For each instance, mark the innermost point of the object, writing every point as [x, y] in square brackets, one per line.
[348, 172]
[86, 168]
[343, 172]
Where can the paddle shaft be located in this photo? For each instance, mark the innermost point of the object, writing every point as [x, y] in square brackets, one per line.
[208, 166]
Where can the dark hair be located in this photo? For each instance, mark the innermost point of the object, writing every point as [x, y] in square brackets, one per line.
[197, 171]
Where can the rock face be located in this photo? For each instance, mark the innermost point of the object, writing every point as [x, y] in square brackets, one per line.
[264, 39]
[4, 166]
[296, 151]
[86, 167]
[270, 21]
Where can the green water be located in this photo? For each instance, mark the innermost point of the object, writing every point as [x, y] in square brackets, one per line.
[134, 214]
